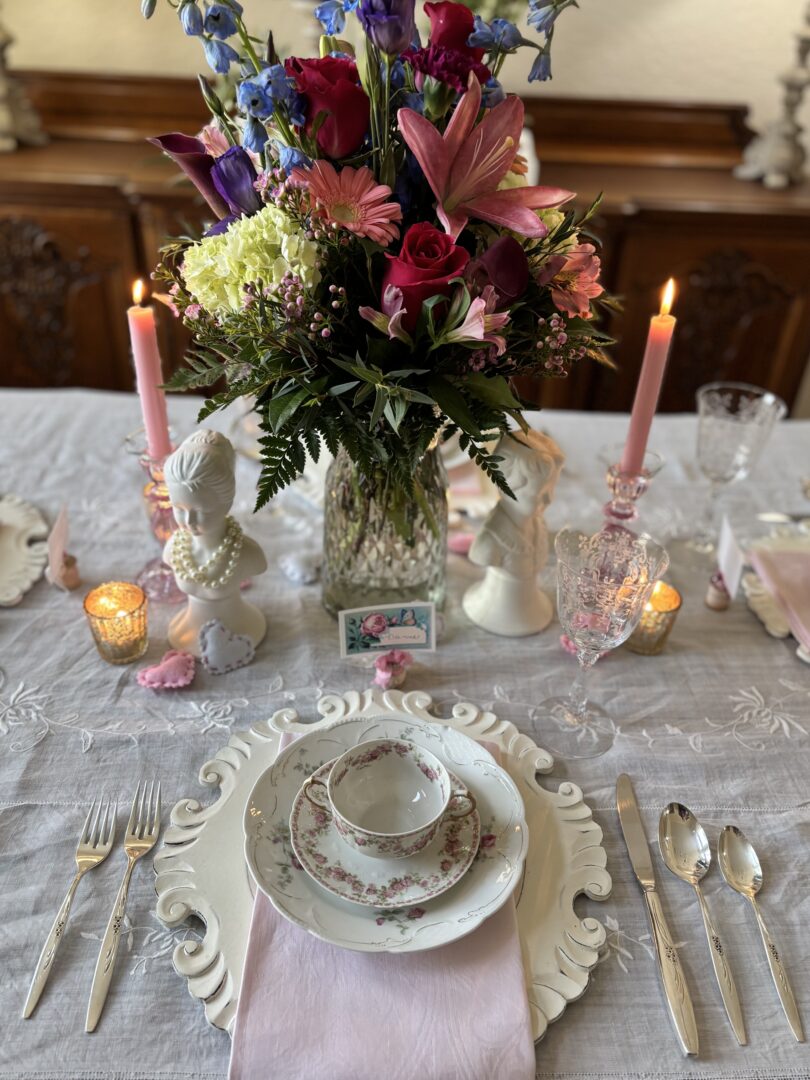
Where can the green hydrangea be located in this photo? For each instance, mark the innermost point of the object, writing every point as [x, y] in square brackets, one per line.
[261, 248]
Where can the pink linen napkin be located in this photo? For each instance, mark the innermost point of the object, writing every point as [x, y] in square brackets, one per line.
[787, 577]
[310, 1009]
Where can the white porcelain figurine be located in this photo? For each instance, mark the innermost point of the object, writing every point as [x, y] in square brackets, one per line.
[209, 553]
[513, 541]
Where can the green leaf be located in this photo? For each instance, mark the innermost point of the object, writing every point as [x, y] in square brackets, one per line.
[451, 402]
[280, 409]
[395, 410]
[341, 388]
[379, 404]
[492, 390]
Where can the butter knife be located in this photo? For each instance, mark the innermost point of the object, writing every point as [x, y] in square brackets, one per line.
[669, 964]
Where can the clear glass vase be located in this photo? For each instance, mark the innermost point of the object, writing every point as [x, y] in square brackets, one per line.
[379, 546]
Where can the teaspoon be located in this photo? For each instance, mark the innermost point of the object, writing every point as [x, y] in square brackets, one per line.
[686, 852]
[742, 871]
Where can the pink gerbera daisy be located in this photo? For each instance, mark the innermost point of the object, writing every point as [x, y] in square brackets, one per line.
[351, 199]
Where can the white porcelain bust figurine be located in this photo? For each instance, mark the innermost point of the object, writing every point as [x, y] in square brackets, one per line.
[513, 541]
[209, 553]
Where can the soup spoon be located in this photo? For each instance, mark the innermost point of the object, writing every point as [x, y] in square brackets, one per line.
[742, 871]
[686, 852]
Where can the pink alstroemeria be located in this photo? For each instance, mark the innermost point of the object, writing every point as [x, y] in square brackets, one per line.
[465, 165]
[573, 279]
[389, 320]
[480, 322]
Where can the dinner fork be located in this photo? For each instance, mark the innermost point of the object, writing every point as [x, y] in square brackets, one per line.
[95, 844]
[142, 832]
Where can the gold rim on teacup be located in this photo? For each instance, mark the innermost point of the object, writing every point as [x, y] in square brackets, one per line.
[387, 797]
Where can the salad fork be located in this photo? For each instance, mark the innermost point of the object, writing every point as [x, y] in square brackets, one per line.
[142, 833]
[95, 844]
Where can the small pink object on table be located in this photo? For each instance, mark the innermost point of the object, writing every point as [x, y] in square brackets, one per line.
[310, 1009]
[175, 670]
[662, 327]
[149, 374]
[787, 577]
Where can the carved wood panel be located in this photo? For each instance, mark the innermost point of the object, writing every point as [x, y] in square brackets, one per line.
[65, 275]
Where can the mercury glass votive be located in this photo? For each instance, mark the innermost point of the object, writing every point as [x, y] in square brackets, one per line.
[116, 612]
[657, 620]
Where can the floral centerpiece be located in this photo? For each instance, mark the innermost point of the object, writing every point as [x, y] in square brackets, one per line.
[378, 270]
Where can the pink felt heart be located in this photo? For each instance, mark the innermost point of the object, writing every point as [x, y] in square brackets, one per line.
[175, 670]
[221, 650]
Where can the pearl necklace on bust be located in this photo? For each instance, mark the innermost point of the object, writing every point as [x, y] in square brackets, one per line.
[227, 553]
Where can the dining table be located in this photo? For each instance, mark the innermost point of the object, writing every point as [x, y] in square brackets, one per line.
[720, 722]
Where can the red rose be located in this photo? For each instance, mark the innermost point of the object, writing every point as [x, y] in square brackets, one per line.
[423, 268]
[331, 85]
[450, 26]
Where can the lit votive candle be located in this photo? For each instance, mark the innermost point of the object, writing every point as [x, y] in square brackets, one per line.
[656, 621]
[116, 612]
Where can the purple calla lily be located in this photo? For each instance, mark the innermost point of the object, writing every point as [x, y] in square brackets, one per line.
[195, 161]
[233, 176]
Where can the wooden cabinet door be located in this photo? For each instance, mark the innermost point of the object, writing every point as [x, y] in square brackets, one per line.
[743, 305]
[65, 281]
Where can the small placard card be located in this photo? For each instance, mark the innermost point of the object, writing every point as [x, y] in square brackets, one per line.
[730, 558]
[409, 625]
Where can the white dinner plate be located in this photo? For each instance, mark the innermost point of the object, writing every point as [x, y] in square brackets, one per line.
[487, 885]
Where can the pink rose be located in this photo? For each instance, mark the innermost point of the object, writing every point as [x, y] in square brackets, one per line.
[375, 624]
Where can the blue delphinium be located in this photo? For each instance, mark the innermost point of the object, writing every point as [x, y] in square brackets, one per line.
[219, 55]
[220, 19]
[254, 135]
[290, 158]
[541, 68]
[191, 19]
[498, 36]
[279, 89]
[397, 74]
[254, 100]
[543, 14]
[332, 15]
[492, 93]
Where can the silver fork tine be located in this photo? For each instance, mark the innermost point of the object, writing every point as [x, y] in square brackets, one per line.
[109, 823]
[98, 821]
[86, 830]
[143, 810]
[156, 814]
[131, 822]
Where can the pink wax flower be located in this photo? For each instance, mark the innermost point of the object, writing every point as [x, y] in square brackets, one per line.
[351, 199]
[574, 279]
[374, 624]
[390, 668]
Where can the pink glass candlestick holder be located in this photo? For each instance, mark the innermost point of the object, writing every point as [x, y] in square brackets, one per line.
[157, 578]
[627, 488]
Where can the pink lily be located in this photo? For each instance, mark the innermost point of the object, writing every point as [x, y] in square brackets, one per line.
[465, 165]
[480, 322]
[389, 320]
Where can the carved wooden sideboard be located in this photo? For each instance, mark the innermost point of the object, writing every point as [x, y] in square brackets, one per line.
[84, 216]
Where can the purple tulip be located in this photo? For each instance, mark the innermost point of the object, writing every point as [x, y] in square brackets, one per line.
[505, 267]
[388, 23]
[195, 161]
[234, 176]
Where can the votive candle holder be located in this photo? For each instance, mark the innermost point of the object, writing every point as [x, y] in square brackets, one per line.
[657, 620]
[116, 612]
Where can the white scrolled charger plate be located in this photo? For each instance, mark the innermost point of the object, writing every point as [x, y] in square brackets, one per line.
[484, 889]
[201, 872]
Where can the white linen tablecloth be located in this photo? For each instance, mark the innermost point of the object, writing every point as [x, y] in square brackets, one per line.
[721, 722]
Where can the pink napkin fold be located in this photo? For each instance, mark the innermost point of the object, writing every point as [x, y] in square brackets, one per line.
[310, 1009]
[787, 577]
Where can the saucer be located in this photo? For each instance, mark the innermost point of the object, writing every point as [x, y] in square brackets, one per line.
[381, 883]
[495, 872]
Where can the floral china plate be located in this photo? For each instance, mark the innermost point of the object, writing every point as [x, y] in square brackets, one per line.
[382, 883]
[487, 885]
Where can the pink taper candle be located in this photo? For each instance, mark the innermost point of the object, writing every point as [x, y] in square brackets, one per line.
[148, 373]
[649, 384]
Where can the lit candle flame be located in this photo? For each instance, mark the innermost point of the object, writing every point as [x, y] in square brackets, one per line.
[668, 296]
[138, 291]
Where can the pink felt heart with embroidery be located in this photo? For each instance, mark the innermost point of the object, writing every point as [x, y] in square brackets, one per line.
[175, 670]
[221, 650]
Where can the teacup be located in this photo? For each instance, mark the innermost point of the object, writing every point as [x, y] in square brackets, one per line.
[388, 797]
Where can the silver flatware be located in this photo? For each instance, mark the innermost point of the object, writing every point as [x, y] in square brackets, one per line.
[686, 852]
[742, 870]
[669, 964]
[95, 844]
[142, 832]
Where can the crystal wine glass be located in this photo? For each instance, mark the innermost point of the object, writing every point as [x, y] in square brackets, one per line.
[603, 582]
[735, 421]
